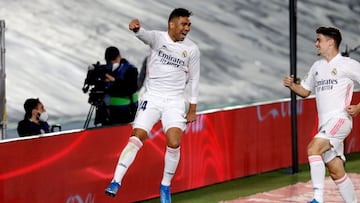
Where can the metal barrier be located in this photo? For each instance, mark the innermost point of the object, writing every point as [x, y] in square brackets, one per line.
[2, 81]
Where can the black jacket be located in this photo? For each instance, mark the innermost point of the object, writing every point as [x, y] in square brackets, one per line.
[125, 84]
[28, 128]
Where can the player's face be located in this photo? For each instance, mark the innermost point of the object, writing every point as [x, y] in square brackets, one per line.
[179, 28]
[322, 44]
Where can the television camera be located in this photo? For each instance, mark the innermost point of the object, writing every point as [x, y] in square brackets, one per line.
[97, 87]
[95, 82]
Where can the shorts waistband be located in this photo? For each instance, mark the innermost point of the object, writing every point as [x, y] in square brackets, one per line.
[162, 96]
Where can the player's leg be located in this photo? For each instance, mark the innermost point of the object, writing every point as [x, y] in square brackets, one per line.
[343, 182]
[126, 158]
[326, 145]
[174, 124]
[317, 166]
[171, 161]
[128, 154]
[146, 117]
[334, 159]
[172, 154]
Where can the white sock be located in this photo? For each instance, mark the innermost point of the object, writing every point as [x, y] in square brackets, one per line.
[346, 189]
[317, 172]
[172, 157]
[127, 157]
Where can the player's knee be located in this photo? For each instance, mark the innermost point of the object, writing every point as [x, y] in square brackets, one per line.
[318, 147]
[139, 133]
[173, 137]
[173, 143]
[312, 151]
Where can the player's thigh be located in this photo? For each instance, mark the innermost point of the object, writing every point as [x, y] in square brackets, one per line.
[318, 146]
[335, 130]
[174, 115]
[147, 115]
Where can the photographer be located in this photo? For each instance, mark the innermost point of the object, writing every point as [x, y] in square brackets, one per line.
[122, 98]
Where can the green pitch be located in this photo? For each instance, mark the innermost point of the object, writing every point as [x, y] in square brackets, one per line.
[253, 184]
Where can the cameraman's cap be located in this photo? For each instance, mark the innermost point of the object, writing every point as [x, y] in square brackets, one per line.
[111, 53]
[30, 104]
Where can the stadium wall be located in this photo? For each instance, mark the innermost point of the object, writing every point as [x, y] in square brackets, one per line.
[76, 166]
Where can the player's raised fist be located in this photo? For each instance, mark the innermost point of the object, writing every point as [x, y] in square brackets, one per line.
[134, 25]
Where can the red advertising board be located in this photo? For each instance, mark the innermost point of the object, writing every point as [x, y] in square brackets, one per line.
[76, 167]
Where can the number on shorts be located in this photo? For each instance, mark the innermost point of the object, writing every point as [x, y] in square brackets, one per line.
[143, 105]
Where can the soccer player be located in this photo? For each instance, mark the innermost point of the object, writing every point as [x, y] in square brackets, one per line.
[332, 80]
[173, 63]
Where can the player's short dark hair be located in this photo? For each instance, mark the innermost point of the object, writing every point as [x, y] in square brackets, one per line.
[111, 53]
[331, 32]
[179, 12]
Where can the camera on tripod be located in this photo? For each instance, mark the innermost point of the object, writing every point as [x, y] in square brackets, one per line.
[98, 87]
[95, 82]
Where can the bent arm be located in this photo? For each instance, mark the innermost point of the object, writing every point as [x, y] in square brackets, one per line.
[297, 88]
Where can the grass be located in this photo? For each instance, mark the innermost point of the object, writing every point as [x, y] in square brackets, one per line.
[253, 184]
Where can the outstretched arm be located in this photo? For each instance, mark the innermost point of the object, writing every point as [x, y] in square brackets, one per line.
[297, 88]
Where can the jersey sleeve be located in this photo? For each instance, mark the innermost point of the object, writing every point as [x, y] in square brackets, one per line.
[148, 37]
[354, 73]
[194, 75]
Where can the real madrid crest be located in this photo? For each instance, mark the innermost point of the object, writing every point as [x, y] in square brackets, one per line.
[333, 71]
[184, 53]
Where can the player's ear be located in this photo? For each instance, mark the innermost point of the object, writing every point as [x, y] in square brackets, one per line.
[330, 41]
[171, 24]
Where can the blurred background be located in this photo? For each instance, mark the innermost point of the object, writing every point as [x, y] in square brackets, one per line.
[244, 47]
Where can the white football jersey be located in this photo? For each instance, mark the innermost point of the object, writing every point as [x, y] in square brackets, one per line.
[171, 65]
[333, 85]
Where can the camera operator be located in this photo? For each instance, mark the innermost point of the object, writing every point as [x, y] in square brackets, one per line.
[122, 97]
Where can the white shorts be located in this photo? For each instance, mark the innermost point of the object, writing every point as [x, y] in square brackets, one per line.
[335, 130]
[152, 108]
